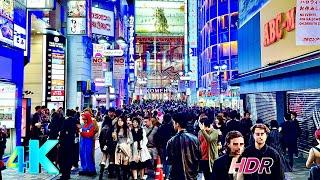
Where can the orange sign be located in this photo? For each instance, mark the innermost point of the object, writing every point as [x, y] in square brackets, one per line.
[273, 30]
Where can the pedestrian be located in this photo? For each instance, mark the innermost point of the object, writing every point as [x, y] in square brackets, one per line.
[164, 134]
[234, 144]
[151, 133]
[298, 129]
[245, 125]
[35, 127]
[314, 158]
[290, 136]
[208, 138]
[261, 150]
[66, 141]
[140, 153]
[183, 157]
[107, 145]
[274, 140]
[86, 146]
[3, 141]
[122, 135]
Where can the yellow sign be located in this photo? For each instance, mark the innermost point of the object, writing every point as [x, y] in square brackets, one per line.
[283, 46]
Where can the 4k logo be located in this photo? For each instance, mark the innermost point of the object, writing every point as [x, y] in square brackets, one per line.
[37, 155]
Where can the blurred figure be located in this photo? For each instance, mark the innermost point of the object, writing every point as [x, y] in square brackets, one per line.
[314, 158]
[234, 144]
[151, 132]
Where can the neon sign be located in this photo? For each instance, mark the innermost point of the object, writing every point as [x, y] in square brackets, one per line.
[131, 39]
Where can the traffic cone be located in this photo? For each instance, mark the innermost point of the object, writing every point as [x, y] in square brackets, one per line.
[159, 171]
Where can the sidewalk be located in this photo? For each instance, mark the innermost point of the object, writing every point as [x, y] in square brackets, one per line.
[299, 172]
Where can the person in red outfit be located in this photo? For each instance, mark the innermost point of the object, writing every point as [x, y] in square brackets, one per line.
[86, 146]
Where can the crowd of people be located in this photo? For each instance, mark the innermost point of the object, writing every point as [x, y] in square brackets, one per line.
[187, 140]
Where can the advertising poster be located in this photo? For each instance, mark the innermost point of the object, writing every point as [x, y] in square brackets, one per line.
[55, 70]
[159, 18]
[20, 13]
[97, 70]
[102, 22]
[19, 37]
[76, 25]
[77, 9]
[6, 9]
[308, 22]
[7, 104]
[6, 31]
[43, 4]
[118, 68]
[249, 8]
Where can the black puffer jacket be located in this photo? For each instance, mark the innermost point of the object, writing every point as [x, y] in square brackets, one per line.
[184, 154]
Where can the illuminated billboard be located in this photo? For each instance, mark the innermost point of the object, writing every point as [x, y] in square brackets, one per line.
[159, 18]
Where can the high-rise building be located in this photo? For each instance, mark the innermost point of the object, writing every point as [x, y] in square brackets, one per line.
[218, 51]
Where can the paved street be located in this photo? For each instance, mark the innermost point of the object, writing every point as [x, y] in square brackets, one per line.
[299, 173]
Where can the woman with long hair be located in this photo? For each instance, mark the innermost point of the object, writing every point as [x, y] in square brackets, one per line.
[123, 137]
[140, 153]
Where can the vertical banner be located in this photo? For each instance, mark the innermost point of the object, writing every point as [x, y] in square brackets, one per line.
[118, 68]
[55, 72]
[308, 22]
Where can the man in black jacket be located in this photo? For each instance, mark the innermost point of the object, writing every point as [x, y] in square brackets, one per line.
[235, 146]
[261, 151]
[66, 141]
[183, 151]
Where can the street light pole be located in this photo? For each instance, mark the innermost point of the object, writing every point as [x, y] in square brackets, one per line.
[219, 68]
[220, 91]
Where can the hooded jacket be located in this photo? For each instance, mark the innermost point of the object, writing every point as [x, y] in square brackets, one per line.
[90, 133]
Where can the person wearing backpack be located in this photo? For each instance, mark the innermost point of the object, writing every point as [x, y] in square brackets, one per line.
[314, 158]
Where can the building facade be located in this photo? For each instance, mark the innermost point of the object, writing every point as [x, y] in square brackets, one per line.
[217, 46]
[275, 75]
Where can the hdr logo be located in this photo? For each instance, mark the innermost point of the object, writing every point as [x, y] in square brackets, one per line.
[37, 155]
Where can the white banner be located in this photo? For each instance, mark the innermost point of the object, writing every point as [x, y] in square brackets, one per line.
[118, 68]
[19, 37]
[308, 22]
[113, 52]
[102, 22]
[76, 26]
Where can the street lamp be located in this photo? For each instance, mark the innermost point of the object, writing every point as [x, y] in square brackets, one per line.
[220, 68]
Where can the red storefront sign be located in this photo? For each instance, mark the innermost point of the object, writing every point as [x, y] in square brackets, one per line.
[274, 29]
